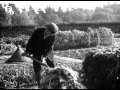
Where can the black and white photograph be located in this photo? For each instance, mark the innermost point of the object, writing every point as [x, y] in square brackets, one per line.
[59, 44]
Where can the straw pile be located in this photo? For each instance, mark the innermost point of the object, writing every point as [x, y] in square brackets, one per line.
[17, 57]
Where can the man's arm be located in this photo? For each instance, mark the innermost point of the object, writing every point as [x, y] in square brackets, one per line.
[31, 42]
[49, 46]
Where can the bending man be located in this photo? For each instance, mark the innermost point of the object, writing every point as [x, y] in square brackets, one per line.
[41, 45]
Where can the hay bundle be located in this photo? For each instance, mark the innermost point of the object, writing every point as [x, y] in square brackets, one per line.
[17, 57]
[102, 70]
[61, 78]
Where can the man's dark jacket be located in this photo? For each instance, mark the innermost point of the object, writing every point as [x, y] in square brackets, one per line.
[39, 46]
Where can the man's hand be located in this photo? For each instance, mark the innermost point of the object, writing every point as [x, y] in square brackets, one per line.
[43, 60]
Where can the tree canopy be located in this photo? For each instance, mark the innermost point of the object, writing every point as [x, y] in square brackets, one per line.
[109, 13]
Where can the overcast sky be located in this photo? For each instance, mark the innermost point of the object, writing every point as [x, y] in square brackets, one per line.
[63, 4]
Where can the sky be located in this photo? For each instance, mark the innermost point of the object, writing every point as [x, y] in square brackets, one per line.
[63, 4]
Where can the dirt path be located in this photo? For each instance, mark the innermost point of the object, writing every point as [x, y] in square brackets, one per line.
[68, 59]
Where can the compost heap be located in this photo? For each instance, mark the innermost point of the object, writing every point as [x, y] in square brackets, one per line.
[61, 78]
[101, 69]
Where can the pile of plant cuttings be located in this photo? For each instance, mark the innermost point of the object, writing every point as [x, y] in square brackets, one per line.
[61, 78]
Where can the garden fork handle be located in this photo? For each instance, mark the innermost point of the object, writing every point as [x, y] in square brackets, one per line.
[36, 60]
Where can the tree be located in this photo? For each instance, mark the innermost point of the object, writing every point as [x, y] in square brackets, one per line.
[67, 17]
[15, 18]
[89, 14]
[52, 16]
[116, 8]
[5, 18]
[118, 18]
[78, 15]
[39, 21]
[25, 18]
[60, 13]
[102, 16]
[32, 14]
[43, 17]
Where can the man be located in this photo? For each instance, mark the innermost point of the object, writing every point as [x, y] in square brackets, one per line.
[40, 45]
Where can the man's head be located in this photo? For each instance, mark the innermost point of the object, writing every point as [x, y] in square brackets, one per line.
[51, 30]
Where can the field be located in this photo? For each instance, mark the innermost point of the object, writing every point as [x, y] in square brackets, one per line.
[21, 75]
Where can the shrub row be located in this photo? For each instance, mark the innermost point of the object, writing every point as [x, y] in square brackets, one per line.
[73, 39]
[114, 26]
[101, 69]
[13, 31]
[79, 39]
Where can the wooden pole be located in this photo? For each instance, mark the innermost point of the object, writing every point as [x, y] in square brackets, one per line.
[36, 60]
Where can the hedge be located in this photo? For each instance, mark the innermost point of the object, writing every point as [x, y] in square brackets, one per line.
[74, 39]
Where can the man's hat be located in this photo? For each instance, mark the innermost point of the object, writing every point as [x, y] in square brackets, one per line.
[52, 27]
